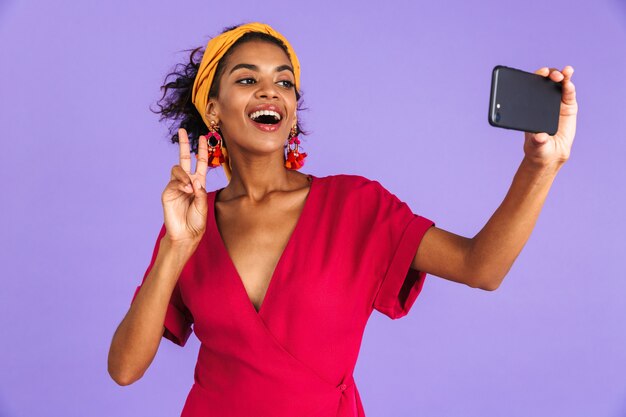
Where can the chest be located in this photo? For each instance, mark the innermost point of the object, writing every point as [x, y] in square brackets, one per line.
[255, 237]
[290, 270]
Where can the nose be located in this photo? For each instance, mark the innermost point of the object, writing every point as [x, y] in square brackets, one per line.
[267, 89]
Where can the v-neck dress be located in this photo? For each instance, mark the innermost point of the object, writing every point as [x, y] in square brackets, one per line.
[349, 254]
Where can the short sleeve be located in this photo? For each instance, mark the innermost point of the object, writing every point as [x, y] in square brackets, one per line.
[178, 319]
[397, 232]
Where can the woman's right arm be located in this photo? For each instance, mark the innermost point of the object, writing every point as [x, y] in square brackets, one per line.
[138, 336]
[184, 199]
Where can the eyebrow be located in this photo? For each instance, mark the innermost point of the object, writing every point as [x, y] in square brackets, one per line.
[255, 68]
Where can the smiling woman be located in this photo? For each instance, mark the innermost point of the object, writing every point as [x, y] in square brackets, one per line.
[177, 106]
[229, 262]
[279, 271]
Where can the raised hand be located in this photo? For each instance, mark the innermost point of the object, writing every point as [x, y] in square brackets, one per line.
[184, 198]
[543, 149]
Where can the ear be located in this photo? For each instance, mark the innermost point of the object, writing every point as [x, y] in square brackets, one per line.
[212, 109]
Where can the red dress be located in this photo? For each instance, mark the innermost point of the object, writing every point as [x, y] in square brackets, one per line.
[350, 253]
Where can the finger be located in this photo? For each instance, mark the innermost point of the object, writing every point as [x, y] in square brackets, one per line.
[569, 90]
[555, 75]
[200, 202]
[180, 180]
[203, 160]
[185, 155]
[568, 95]
[567, 72]
[198, 188]
[552, 73]
[540, 138]
[185, 188]
[179, 175]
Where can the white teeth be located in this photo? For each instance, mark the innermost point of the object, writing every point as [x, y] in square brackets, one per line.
[265, 112]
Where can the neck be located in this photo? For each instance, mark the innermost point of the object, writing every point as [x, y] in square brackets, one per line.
[255, 176]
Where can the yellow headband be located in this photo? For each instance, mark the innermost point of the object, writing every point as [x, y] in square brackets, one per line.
[215, 50]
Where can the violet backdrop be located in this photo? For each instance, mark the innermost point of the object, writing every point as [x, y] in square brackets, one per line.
[84, 164]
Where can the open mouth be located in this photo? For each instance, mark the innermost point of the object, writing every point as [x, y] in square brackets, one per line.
[265, 117]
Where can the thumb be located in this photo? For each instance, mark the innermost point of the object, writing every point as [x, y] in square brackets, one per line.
[540, 138]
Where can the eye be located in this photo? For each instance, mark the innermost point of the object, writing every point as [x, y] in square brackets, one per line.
[246, 79]
[288, 84]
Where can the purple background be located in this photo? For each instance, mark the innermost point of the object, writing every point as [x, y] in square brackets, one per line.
[84, 163]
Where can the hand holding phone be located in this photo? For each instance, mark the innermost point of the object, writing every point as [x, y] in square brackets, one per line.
[543, 105]
[524, 101]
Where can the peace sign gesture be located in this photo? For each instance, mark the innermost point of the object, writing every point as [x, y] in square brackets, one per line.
[184, 198]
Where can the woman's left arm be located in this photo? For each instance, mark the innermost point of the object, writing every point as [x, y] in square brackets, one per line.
[484, 260]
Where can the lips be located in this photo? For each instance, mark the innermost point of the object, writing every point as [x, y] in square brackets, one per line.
[266, 127]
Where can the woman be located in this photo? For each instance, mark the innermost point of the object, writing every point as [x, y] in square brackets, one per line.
[279, 271]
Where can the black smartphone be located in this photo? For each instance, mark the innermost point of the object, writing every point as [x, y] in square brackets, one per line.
[524, 101]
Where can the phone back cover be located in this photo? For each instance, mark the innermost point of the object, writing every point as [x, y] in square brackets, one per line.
[527, 102]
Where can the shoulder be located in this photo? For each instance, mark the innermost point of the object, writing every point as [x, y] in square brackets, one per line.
[352, 184]
[354, 194]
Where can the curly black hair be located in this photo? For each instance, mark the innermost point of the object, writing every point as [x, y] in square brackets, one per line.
[176, 105]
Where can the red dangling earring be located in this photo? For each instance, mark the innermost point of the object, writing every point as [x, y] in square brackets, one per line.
[214, 142]
[294, 159]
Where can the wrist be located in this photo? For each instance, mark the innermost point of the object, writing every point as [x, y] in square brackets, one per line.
[542, 167]
[181, 246]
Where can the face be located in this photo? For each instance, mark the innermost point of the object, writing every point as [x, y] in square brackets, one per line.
[257, 75]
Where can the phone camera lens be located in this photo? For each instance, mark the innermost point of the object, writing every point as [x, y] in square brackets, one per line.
[497, 117]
